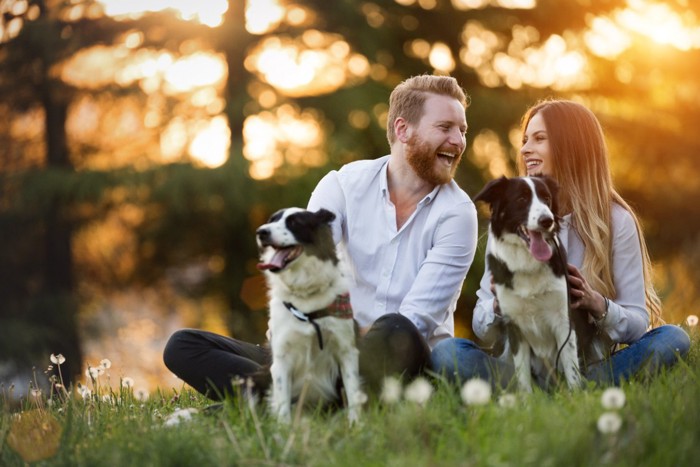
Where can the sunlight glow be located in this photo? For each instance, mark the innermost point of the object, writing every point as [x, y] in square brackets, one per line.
[610, 36]
[660, 23]
[211, 144]
[476, 4]
[441, 58]
[262, 16]
[556, 63]
[208, 12]
[286, 135]
[318, 63]
[489, 155]
[606, 39]
[193, 71]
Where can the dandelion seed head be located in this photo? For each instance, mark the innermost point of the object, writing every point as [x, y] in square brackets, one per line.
[613, 398]
[94, 372]
[58, 359]
[105, 363]
[127, 382]
[35, 392]
[419, 391]
[391, 390]
[692, 320]
[84, 392]
[609, 422]
[180, 415]
[507, 401]
[476, 391]
[141, 395]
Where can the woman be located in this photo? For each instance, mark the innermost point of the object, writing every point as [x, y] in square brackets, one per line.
[609, 272]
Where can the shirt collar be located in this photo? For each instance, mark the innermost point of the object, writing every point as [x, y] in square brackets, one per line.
[384, 185]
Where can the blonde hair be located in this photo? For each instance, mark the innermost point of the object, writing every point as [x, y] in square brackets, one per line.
[580, 164]
[407, 98]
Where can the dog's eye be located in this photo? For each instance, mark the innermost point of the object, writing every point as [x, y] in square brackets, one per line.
[547, 200]
[521, 200]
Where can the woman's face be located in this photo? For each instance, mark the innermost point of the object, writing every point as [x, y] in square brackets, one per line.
[535, 149]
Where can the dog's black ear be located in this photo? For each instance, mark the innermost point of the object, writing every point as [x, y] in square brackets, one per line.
[553, 187]
[325, 216]
[492, 191]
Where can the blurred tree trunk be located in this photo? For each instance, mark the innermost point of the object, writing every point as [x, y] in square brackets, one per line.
[59, 282]
[235, 41]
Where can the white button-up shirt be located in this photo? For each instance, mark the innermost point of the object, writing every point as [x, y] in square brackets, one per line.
[417, 270]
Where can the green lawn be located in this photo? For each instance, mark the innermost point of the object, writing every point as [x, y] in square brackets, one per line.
[660, 427]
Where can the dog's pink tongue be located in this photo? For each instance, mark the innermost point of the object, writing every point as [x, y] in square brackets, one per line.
[277, 260]
[539, 248]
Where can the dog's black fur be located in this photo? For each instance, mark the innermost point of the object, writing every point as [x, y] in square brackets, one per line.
[529, 268]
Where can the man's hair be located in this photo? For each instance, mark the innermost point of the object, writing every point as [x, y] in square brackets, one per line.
[407, 98]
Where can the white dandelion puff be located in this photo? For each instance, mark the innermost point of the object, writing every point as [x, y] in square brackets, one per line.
[105, 363]
[94, 372]
[613, 398]
[507, 401]
[419, 391]
[609, 422]
[692, 320]
[391, 390]
[476, 391]
[142, 395]
[127, 382]
[180, 415]
[84, 391]
[59, 359]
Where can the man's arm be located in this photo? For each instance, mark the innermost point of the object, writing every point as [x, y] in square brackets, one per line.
[441, 276]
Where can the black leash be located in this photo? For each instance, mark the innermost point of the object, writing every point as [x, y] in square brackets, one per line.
[568, 301]
[310, 318]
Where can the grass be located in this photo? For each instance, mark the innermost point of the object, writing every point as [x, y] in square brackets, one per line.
[660, 427]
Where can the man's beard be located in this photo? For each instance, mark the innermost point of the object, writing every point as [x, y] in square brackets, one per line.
[422, 160]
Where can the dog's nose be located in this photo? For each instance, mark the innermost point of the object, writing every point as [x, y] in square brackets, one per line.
[263, 233]
[545, 221]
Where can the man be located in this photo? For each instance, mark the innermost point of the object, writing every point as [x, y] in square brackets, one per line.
[407, 230]
[408, 233]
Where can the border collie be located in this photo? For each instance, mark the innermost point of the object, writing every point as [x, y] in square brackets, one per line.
[529, 276]
[312, 330]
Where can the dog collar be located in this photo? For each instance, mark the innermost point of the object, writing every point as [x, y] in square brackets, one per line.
[339, 308]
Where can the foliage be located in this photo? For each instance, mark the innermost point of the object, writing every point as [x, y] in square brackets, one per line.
[55, 186]
[658, 427]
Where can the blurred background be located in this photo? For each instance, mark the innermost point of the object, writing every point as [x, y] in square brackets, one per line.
[144, 140]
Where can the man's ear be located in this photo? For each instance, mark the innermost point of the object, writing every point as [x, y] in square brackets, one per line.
[401, 129]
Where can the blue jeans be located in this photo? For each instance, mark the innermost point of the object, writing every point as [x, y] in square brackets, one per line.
[459, 360]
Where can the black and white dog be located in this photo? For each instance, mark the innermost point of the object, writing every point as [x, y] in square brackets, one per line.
[529, 274]
[312, 330]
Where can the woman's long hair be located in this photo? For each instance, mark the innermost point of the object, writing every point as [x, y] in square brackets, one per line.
[579, 161]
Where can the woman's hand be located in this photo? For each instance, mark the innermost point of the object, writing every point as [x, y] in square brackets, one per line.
[583, 297]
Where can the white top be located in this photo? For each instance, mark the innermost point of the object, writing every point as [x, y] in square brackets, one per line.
[627, 318]
[417, 271]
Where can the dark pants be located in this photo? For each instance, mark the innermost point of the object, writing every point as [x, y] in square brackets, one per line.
[211, 362]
